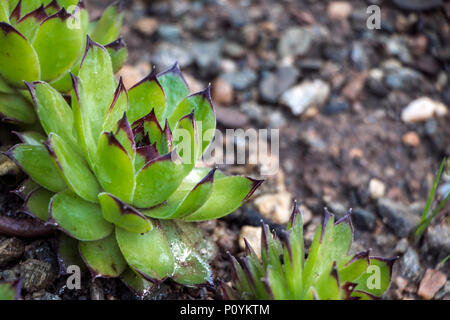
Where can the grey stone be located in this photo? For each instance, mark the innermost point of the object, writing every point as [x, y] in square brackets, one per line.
[410, 265]
[404, 79]
[166, 54]
[397, 217]
[208, 54]
[402, 246]
[307, 94]
[336, 106]
[96, 291]
[274, 84]
[360, 57]
[169, 32]
[295, 41]
[240, 80]
[438, 238]
[364, 219]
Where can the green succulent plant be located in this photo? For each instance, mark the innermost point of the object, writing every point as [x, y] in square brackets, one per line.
[116, 172]
[328, 272]
[10, 290]
[45, 40]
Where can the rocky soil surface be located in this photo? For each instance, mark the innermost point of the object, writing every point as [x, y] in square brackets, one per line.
[363, 119]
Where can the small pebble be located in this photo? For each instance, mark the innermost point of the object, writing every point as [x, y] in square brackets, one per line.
[432, 281]
[253, 236]
[411, 139]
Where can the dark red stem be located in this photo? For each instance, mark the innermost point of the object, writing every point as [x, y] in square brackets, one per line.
[24, 228]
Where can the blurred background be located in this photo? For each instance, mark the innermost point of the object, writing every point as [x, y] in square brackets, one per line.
[362, 113]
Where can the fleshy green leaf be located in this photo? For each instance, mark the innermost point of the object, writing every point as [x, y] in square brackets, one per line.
[26, 188]
[171, 249]
[122, 215]
[157, 180]
[191, 252]
[78, 218]
[124, 134]
[73, 168]
[103, 257]
[28, 6]
[58, 44]
[228, 194]
[67, 3]
[113, 168]
[52, 7]
[69, 253]
[135, 282]
[10, 290]
[327, 286]
[185, 140]
[54, 113]
[31, 137]
[108, 27]
[117, 109]
[376, 279]
[118, 52]
[354, 268]
[18, 60]
[4, 11]
[203, 109]
[30, 23]
[4, 87]
[294, 253]
[275, 284]
[37, 163]
[185, 200]
[146, 96]
[94, 92]
[175, 89]
[149, 126]
[37, 203]
[15, 108]
[148, 253]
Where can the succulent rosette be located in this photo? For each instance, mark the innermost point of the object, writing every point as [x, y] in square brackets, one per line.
[45, 40]
[328, 273]
[116, 172]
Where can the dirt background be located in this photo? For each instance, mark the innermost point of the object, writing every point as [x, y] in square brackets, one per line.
[357, 141]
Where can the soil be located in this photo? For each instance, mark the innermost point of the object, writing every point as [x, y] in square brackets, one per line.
[331, 152]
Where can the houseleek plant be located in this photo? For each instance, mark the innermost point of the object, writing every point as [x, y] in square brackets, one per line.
[115, 171]
[45, 40]
[328, 273]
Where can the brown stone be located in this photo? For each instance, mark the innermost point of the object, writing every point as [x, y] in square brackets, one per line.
[146, 26]
[411, 139]
[276, 207]
[36, 275]
[10, 249]
[432, 281]
[355, 86]
[231, 118]
[222, 92]
[253, 236]
[339, 10]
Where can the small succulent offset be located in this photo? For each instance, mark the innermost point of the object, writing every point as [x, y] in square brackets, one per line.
[45, 40]
[328, 273]
[117, 172]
